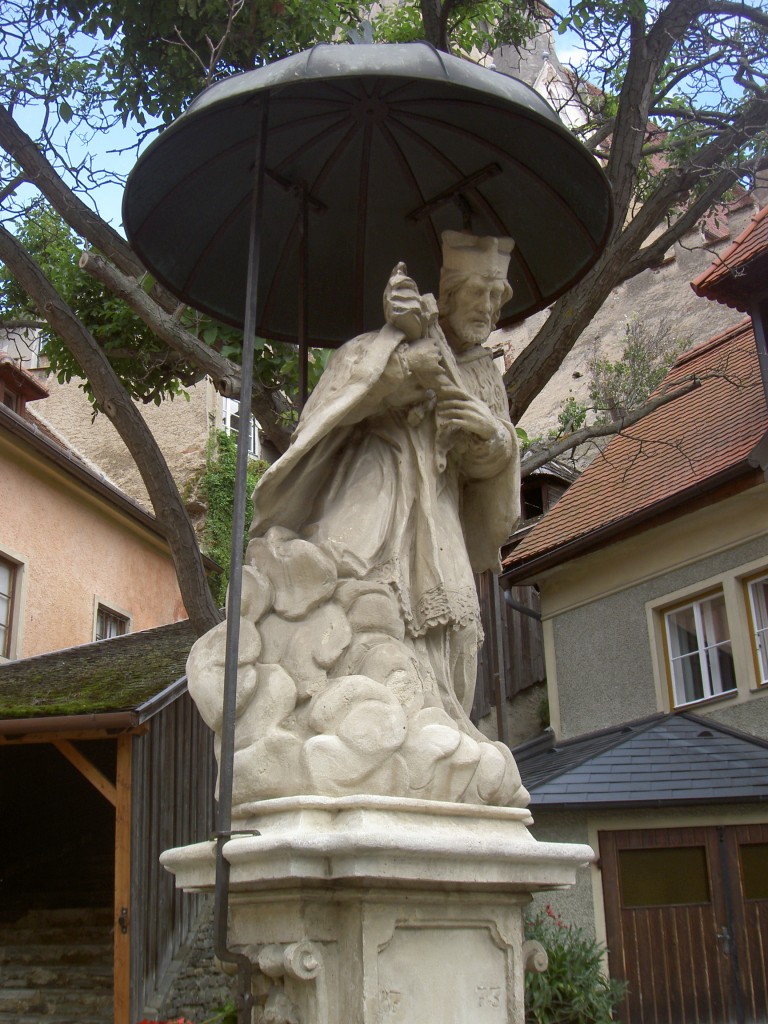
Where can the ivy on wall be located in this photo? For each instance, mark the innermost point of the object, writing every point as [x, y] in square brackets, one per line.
[216, 488]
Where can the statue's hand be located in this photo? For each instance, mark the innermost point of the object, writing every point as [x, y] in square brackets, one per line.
[458, 411]
[423, 360]
[403, 306]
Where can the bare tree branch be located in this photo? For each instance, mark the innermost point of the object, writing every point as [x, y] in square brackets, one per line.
[536, 458]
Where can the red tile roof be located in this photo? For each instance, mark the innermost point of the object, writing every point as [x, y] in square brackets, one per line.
[731, 278]
[691, 444]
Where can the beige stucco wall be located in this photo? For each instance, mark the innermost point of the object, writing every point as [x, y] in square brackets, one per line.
[76, 551]
[181, 428]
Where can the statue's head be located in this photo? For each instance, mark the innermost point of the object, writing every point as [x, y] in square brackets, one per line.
[473, 285]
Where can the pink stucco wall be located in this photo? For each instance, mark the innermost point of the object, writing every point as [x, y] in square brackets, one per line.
[77, 551]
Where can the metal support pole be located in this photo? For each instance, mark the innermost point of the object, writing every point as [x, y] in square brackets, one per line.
[498, 656]
[303, 297]
[244, 995]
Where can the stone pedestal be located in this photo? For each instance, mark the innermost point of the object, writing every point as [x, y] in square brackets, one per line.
[375, 910]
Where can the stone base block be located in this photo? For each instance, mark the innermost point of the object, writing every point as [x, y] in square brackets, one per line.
[371, 910]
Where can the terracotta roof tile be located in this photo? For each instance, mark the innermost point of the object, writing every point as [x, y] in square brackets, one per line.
[681, 447]
[727, 279]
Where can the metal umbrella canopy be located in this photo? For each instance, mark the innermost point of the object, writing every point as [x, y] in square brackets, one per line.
[370, 152]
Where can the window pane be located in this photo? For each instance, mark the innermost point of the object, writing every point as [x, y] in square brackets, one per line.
[7, 574]
[689, 684]
[700, 654]
[664, 877]
[682, 632]
[758, 593]
[109, 624]
[754, 870]
[713, 621]
[720, 666]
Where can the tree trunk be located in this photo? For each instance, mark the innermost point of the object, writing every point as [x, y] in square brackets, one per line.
[90, 226]
[114, 401]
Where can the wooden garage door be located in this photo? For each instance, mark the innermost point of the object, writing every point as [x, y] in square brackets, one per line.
[687, 923]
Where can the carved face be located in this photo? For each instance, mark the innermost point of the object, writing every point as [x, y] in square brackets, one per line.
[473, 308]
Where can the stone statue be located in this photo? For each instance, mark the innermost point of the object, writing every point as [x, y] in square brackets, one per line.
[360, 624]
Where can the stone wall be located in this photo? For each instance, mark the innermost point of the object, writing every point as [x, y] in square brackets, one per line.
[194, 988]
[181, 427]
[656, 296]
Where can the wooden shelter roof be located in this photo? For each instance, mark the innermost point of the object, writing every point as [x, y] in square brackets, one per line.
[137, 673]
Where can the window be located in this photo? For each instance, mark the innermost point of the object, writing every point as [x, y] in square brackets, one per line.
[700, 652]
[109, 624]
[758, 604]
[231, 423]
[663, 877]
[9, 398]
[7, 591]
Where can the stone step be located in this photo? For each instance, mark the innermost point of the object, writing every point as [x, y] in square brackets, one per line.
[65, 915]
[78, 1018]
[56, 966]
[92, 977]
[22, 935]
[60, 1003]
[98, 954]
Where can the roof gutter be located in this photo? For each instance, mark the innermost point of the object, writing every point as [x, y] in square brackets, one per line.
[615, 805]
[588, 541]
[109, 721]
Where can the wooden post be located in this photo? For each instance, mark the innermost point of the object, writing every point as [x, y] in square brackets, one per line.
[122, 915]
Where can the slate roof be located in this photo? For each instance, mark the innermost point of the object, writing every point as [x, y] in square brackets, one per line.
[667, 759]
[684, 448]
[121, 674]
[739, 272]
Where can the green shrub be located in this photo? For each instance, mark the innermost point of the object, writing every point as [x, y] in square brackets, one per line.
[573, 989]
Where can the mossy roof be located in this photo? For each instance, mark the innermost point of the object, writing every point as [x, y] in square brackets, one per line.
[120, 674]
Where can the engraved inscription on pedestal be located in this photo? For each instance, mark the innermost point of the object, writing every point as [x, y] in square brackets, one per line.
[452, 976]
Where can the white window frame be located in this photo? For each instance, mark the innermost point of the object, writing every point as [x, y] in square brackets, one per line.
[230, 409]
[9, 650]
[758, 612]
[116, 613]
[712, 681]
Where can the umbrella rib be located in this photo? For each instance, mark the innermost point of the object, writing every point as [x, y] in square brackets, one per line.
[408, 174]
[236, 212]
[362, 211]
[502, 227]
[186, 178]
[516, 256]
[305, 145]
[312, 186]
[493, 147]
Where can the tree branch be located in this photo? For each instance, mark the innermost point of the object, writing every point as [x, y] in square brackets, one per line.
[737, 10]
[224, 373]
[650, 255]
[18, 145]
[537, 458]
[114, 401]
